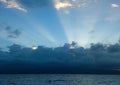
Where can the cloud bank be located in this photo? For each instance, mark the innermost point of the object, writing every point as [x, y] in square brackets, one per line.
[98, 58]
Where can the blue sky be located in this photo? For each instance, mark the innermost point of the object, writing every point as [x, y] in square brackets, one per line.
[55, 22]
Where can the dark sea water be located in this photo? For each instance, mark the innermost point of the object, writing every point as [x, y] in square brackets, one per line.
[59, 79]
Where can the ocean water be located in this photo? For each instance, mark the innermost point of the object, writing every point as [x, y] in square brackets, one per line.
[58, 79]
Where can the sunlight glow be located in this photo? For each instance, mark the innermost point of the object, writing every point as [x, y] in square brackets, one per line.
[79, 31]
[59, 5]
[34, 48]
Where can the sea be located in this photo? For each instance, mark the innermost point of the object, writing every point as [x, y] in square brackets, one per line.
[59, 79]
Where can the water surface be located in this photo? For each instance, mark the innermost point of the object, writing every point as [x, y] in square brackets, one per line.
[59, 79]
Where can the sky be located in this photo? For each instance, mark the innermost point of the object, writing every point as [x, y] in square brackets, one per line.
[54, 22]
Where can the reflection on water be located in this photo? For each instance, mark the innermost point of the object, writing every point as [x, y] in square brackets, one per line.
[59, 79]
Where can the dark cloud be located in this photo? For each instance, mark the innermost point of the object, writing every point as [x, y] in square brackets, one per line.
[99, 58]
[15, 33]
[12, 33]
[12, 36]
[8, 29]
[36, 3]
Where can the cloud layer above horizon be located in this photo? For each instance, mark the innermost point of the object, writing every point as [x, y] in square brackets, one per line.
[97, 56]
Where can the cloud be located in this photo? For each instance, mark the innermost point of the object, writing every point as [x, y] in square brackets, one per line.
[8, 29]
[97, 57]
[114, 5]
[59, 4]
[13, 4]
[14, 34]
[11, 33]
[72, 52]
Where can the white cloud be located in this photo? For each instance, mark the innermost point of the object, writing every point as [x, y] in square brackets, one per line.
[72, 3]
[114, 5]
[59, 4]
[13, 4]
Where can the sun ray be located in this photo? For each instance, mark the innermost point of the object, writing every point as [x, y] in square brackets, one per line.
[80, 30]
